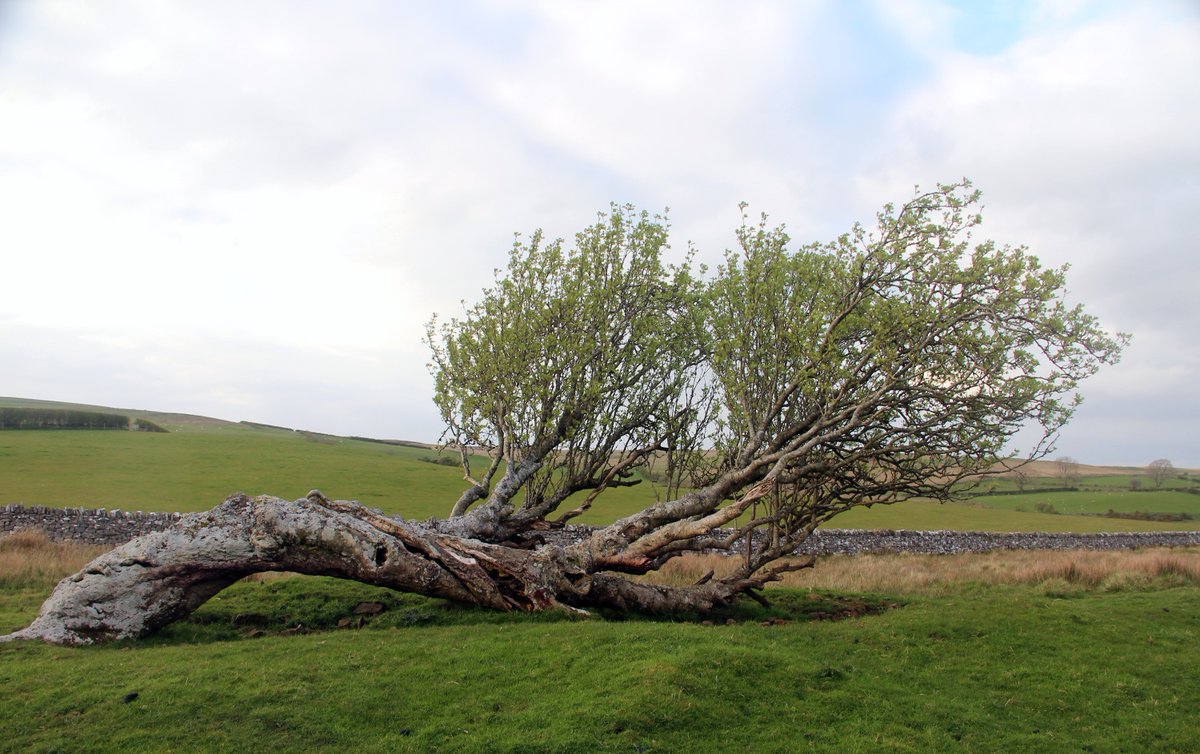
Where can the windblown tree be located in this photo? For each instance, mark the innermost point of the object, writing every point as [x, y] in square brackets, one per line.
[762, 400]
[1159, 471]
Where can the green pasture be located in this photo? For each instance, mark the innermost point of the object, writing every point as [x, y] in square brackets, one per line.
[193, 469]
[1143, 482]
[1096, 500]
[991, 669]
[1115, 482]
[200, 462]
[981, 515]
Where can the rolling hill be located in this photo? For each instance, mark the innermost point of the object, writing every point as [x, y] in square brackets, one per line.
[201, 460]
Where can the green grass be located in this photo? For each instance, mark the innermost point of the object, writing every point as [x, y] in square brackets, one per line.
[188, 470]
[1123, 482]
[196, 466]
[990, 669]
[984, 515]
[1049, 667]
[1097, 501]
[202, 461]
[1116, 482]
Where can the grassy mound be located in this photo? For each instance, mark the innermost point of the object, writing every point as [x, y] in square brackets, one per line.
[1046, 666]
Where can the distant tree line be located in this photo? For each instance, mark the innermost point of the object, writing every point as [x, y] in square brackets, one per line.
[400, 443]
[1023, 491]
[61, 418]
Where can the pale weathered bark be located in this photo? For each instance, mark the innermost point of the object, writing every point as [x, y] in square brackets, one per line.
[162, 577]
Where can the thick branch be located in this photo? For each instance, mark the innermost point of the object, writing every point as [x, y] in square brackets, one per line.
[162, 577]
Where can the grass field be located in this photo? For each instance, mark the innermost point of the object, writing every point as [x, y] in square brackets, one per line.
[997, 652]
[1050, 662]
[194, 469]
[1101, 500]
[201, 461]
[1119, 479]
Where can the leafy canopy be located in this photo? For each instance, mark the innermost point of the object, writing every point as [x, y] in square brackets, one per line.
[891, 362]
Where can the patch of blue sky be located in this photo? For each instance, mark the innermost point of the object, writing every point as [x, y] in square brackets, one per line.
[13, 25]
[865, 65]
[858, 65]
[504, 32]
[989, 28]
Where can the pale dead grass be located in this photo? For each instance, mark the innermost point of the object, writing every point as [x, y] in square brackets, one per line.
[1051, 469]
[30, 558]
[1108, 570]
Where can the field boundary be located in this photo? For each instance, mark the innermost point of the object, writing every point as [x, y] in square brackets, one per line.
[113, 527]
[859, 541]
[94, 526]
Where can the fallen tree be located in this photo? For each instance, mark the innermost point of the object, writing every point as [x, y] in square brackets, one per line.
[788, 387]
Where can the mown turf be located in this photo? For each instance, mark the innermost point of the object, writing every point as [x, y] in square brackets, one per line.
[991, 669]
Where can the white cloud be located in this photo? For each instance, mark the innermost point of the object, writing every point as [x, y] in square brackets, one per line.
[927, 27]
[221, 194]
[1084, 143]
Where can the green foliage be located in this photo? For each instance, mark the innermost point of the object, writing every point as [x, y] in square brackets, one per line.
[972, 516]
[888, 364]
[145, 425]
[1148, 516]
[57, 418]
[440, 460]
[902, 352]
[585, 351]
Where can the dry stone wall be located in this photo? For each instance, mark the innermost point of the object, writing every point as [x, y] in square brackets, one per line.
[860, 541]
[100, 526]
[95, 526]
[855, 541]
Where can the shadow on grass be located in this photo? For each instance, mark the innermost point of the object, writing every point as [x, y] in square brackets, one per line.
[303, 604]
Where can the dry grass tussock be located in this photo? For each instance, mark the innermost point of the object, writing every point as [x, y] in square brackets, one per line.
[30, 558]
[1054, 571]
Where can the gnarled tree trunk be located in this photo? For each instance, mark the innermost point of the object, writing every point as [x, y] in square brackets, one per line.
[162, 577]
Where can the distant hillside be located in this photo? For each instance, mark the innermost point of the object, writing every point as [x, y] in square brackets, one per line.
[1049, 468]
[201, 460]
[1042, 469]
[180, 422]
[174, 421]
[164, 419]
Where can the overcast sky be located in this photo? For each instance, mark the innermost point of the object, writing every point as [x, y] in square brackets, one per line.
[249, 209]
